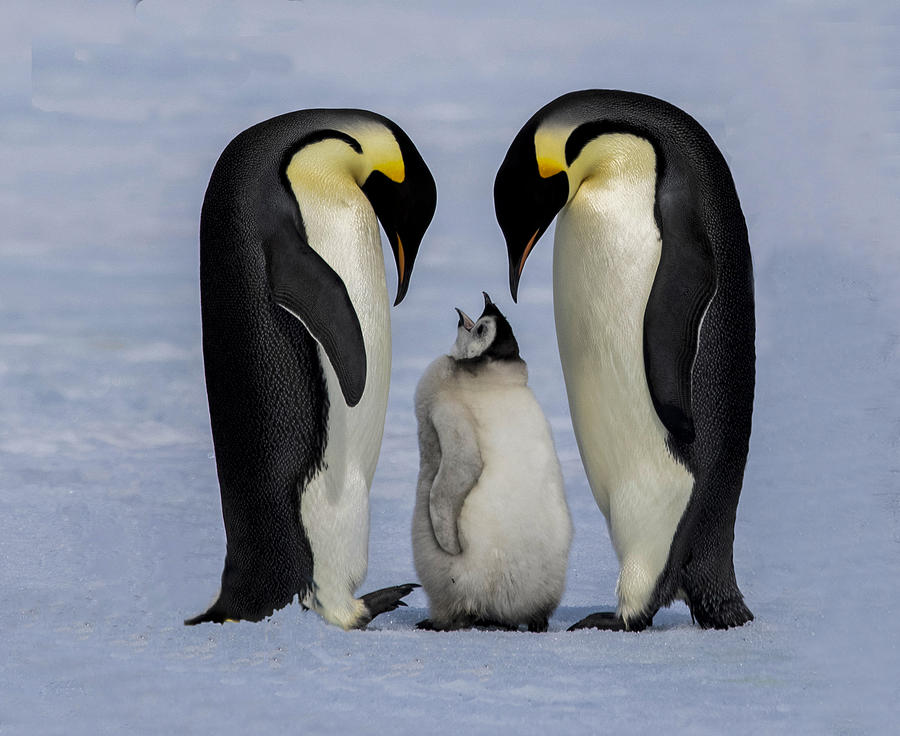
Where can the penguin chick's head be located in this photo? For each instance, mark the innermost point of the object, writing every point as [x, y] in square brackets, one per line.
[490, 337]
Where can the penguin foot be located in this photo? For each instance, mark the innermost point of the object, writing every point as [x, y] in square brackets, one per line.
[208, 617]
[610, 621]
[727, 614]
[456, 624]
[466, 622]
[218, 615]
[382, 601]
[488, 625]
[426, 624]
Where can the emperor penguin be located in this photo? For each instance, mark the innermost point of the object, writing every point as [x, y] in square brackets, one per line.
[297, 351]
[491, 529]
[653, 300]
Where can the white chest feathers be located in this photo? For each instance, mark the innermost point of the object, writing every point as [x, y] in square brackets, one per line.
[491, 528]
[341, 227]
[605, 257]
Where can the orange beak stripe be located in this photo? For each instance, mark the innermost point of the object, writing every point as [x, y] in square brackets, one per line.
[401, 259]
[527, 251]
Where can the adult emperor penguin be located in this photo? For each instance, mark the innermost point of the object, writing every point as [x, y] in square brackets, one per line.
[297, 350]
[653, 299]
[491, 528]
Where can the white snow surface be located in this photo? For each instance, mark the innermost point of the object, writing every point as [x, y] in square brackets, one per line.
[111, 118]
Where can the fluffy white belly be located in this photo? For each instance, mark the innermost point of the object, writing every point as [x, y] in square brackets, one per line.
[605, 258]
[514, 526]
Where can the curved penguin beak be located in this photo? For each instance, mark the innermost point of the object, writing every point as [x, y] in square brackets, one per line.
[403, 273]
[528, 194]
[464, 320]
[404, 208]
[517, 265]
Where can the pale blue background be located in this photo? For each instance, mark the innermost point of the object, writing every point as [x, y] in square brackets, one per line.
[111, 119]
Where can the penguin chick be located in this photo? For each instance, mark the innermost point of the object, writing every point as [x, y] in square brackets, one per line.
[491, 529]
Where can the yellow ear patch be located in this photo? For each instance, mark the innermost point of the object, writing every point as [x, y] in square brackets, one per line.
[393, 169]
[548, 167]
[381, 152]
[550, 148]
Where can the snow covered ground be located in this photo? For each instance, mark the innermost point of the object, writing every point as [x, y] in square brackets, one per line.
[110, 525]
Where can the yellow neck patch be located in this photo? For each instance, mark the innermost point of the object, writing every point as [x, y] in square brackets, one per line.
[332, 159]
[550, 148]
[548, 167]
[614, 155]
[381, 152]
[608, 155]
[393, 170]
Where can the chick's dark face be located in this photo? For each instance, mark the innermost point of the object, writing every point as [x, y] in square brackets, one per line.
[488, 337]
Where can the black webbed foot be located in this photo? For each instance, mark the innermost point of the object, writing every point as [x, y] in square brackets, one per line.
[466, 621]
[382, 601]
[489, 625]
[457, 624]
[610, 621]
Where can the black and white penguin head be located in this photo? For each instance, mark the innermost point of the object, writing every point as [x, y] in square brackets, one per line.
[386, 166]
[576, 136]
[490, 337]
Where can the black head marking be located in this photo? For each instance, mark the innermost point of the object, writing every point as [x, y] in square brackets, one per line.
[404, 208]
[504, 346]
[525, 202]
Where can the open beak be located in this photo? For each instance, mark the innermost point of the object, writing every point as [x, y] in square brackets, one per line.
[464, 320]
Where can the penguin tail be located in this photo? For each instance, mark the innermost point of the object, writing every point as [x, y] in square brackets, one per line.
[383, 600]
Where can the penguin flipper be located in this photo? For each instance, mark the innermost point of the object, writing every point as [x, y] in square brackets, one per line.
[682, 289]
[458, 472]
[305, 285]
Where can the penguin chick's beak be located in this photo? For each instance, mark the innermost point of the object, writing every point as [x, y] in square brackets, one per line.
[464, 320]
